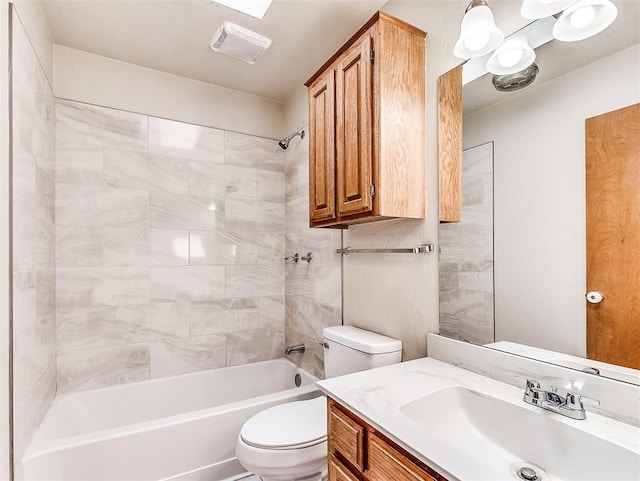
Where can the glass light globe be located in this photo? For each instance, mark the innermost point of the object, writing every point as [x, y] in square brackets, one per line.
[510, 57]
[583, 17]
[477, 42]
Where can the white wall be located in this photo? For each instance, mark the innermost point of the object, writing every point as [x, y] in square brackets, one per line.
[540, 268]
[97, 80]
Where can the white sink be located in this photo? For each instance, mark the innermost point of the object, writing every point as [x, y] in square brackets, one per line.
[470, 422]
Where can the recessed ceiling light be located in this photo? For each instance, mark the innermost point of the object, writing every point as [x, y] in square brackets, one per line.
[255, 8]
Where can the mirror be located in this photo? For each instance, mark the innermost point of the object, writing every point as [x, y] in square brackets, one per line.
[513, 272]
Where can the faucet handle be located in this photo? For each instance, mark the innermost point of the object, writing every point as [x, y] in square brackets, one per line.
[531, 385]
[577, 401]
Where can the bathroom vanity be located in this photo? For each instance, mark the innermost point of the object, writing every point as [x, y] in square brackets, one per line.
[429, 420]
[357, 451]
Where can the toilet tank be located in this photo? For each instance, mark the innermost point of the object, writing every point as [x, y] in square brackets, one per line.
[348, 349]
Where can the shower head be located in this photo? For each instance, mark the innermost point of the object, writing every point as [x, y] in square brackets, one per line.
[284, 143]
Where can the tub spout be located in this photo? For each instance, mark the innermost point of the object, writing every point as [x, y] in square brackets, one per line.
[298, 348]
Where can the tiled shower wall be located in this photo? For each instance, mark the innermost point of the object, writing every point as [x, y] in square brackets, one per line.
[313, 294]
[466, 257]
[34, 330]
[169, 247]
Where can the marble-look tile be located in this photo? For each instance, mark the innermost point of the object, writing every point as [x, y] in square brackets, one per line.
[79, 246]
[271, 246]
[139, 246]
[225, 315]
[94, 205]
[187, 141]
[249, 215]
[260, 280]
[220, 248]
[308, 317]
[252, 151]
[476, 276]
[89, 124]
[111, 326]
[449, 326]
[190, 354]
[45, 291]
[187, 283]
[462, 304]
[272, 313]
[33, 236]
[95, 286]
[168, 211]
[126, 246]
[79, 164]
[291, 183]
[254, 345]
[80, 328]
[168, 247]
[271, 185]
[221, 180]
[102, 367]
[145, 171]
[24, 301]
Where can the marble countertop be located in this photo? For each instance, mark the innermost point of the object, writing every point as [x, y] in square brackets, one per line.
[378, 394]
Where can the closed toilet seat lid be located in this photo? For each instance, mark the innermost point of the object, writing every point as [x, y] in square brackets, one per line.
[290, 425]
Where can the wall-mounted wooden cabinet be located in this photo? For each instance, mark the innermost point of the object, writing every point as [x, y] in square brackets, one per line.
[359, 452]
[366, 128]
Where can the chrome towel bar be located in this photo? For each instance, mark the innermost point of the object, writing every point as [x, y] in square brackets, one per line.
[422, 249]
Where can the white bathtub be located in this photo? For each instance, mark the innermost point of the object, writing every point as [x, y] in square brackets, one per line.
[179, 428]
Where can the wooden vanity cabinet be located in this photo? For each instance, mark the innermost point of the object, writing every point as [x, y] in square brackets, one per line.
[366, 127]
[357, 451]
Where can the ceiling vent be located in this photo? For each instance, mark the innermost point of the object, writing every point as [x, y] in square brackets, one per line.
[239, 42]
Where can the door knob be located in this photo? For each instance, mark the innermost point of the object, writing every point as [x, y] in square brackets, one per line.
[595, 297]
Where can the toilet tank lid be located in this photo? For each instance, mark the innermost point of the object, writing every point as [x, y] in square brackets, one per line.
[361, 340]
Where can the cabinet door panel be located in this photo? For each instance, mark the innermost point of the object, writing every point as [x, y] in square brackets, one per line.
[339, 472]
[354, 129]
[346, 437]
[386, 463]
[322, 148]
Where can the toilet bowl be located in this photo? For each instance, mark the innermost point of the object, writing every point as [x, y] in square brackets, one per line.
[288, 442]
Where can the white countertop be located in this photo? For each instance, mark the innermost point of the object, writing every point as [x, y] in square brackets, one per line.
[378, 394]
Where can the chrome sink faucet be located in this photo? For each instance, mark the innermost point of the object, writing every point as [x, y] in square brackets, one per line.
[571, 405]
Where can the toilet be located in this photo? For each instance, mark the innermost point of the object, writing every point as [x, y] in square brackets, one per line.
[288, 442]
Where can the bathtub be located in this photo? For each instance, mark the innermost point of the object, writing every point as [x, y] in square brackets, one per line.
[178, 428]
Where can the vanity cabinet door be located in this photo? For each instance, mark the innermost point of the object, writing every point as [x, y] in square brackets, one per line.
[346, 437]
[339, 472]
[386, 463]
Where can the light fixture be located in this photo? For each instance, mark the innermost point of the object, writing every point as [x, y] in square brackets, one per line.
[534, 9]
[512, 56]
[584, 19]
[478, 32]
[254, 8]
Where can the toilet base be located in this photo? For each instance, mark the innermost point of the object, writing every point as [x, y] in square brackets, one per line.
[324, 476]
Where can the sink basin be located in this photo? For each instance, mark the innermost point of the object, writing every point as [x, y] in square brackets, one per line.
[493, 430]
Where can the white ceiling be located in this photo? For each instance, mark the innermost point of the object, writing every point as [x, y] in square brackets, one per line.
[173, 36]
